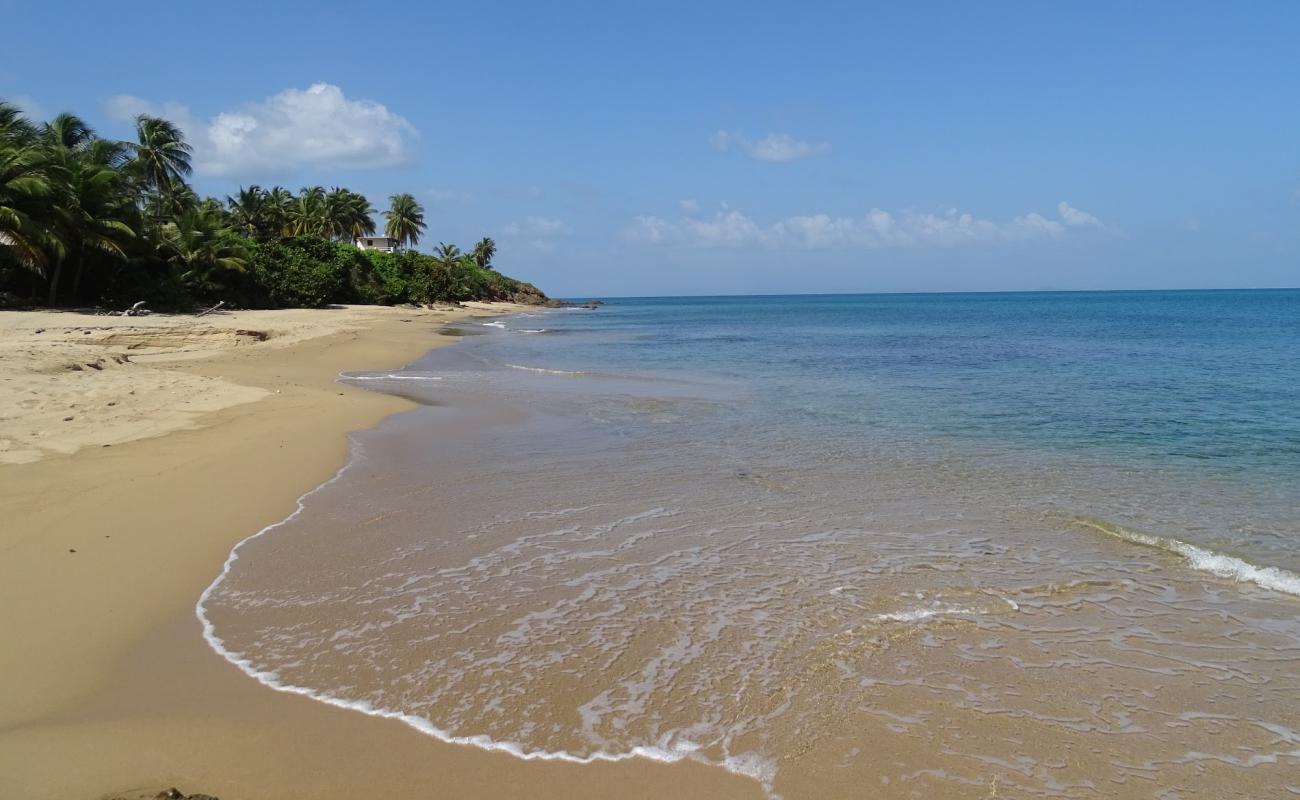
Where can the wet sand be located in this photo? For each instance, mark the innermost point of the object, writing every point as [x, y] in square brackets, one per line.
[109, 686]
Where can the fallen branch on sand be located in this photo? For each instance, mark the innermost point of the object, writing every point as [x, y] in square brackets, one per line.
[205, 312]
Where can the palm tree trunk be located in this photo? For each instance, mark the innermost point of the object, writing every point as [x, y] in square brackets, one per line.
[76, 276]
[54, 281]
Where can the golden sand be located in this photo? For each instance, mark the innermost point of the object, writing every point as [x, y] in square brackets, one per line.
[214, 427]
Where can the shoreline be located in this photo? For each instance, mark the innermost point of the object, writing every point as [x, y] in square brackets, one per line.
[113, 688]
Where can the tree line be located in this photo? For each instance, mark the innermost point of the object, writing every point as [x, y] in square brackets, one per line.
[90, 220]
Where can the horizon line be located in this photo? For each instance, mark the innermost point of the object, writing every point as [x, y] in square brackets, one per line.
[935, 292]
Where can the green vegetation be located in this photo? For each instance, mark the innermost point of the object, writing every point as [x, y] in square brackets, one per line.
[92, 221]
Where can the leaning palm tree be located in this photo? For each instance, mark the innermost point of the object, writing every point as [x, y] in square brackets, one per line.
[484, 251]
[405, 220]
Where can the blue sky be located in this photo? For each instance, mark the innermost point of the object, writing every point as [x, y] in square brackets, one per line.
[664, 148]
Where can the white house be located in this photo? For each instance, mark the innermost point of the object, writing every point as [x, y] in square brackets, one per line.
[384, 243]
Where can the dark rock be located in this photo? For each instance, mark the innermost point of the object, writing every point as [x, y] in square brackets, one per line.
[176, 794]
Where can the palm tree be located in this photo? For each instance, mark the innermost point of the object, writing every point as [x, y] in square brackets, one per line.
[484, 251]
[448, 254]
[25, 190]
[67, 133]
[162, 158]
[248, 211]
[196, 246]
[307, 213]
[278, 202]
[14, 126]
[347, 215]
[361, 216]
[405, 220]
[90, 210]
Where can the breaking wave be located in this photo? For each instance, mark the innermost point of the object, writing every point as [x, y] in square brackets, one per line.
[1203, 559]
[547, 371]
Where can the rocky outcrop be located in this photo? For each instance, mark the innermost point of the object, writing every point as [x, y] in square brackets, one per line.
[166, 794]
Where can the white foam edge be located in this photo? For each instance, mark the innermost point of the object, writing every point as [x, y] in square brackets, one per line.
[742, 767]
[391, 376]
[1205, 560]
[544, 371]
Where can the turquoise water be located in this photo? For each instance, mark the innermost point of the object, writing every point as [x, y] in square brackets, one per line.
[1209, 378]
[1190, 400]
[959, 546]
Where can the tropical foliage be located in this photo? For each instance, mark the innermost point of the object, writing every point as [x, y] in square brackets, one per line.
[86, 220]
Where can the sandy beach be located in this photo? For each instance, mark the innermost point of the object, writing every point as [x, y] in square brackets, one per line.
[134, 453]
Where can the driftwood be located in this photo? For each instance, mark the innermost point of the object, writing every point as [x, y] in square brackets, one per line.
[205, 312]
[137, 310]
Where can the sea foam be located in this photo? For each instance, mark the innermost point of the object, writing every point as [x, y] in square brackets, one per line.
[391, 376]
[1203, 559]
[545, 371]
[746, 765]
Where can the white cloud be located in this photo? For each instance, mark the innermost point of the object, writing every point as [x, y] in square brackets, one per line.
[449, 197]
[773, 147]
[689, 206]
[538, 226]
[875, 229]
[31, 108]
[651, 230]
[1074, 217]
[539, 232]
[314, 127]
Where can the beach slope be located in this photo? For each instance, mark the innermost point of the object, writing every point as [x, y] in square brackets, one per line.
[134, 453]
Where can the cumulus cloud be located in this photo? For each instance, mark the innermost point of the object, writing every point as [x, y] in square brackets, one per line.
[1074, 217]
[773, 147]
[314, 127]
[875, 229]
[689, 206]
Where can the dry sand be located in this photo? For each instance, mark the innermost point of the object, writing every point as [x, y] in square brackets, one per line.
[216, 426]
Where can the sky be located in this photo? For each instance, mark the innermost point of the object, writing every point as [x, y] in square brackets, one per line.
[662, 148]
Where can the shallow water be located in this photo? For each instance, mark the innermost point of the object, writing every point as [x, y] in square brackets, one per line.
[894, 546]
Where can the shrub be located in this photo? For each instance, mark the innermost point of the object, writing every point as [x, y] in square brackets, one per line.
[297, 272]
[386, 281]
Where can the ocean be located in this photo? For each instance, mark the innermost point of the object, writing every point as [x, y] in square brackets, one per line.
[947, 545]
